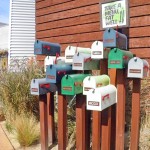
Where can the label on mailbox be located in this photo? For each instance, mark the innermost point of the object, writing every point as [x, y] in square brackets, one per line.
[93, 103]
[135, 71]
[67, 88]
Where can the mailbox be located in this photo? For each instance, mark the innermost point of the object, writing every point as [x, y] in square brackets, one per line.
[118, 58]
[98, 52]
[54, 73]
[46, 48]
[138, 68]
[72, 84]
[114, 39]
[41, 86]
[101, 98]
[92, 82]
[83, 61]
[71, 50]
[50, 60]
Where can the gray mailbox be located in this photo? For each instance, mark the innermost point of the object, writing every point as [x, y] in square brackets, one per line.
[83, 61]
[46, 48]
[114, 39]
[42, 86]
[138, 68]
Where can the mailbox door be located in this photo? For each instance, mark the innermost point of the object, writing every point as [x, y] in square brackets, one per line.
[93, 101]
[78, 61]
[51, 73]
[115, 59]
[97, 50]
[69, 53]
[67, 85]
[49, 60]
[109, 38]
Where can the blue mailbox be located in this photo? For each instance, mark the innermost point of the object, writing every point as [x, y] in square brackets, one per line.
[54, 73]
[114, 39]
[46, 48]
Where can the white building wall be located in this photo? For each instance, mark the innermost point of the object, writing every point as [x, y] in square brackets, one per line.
[4, 37]
[22, 29]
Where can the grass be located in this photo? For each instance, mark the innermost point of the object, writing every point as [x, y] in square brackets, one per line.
[145, 134]
[26, 130]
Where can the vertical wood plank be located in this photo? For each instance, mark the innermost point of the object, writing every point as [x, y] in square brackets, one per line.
[62, 122]
[113, 78]
[51, 123]
[105, 115]
[43, 121]
[96, 130]
[135, 122]
[82, 119]
[120, 118]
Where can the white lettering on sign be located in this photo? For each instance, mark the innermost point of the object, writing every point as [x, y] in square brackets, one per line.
[97, 53]
[92, 103]
[115, 62]
[135, 70]
[114, 14]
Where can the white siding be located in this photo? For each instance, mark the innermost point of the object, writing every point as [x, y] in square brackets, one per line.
[4, 37]
[22, 29]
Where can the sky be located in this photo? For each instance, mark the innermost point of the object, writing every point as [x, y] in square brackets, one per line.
[4, 11]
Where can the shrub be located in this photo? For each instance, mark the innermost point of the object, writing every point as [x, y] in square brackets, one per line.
[15, 88]
[26, 130]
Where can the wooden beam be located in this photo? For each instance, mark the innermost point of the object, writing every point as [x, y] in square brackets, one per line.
[82, 120]
[120, 119]
[135, 115]
[43, 121]
[51, 123]
[62, 122]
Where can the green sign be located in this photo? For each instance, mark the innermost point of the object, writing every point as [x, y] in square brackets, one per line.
[114, 14]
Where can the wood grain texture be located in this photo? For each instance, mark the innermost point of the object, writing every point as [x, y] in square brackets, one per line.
[51, 123]
[82, 123]
[43, 121]
[120, 109]
[135, 114]
[62, 122]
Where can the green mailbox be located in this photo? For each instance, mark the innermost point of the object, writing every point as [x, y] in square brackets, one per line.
[72, 84]
[118, 58]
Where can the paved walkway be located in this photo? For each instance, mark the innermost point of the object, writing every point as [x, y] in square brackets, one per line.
[4, 141]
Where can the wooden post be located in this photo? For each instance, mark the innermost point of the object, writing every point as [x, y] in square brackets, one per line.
[105, 115]
[113, 77]
[120, 119]
[135, 122]
[62, 122]
[43, 121]
[82, 120]
[51, 123]
[96, 130]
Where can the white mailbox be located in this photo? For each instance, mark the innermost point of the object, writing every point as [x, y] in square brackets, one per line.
[50, 60]
[138, 68]
[71, 50]
[92, 82]
[98, 51]
[101, 98]
[83, 61]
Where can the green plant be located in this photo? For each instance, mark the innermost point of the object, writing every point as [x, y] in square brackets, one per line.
[15, 87]
[26, 130]
[9, 127]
